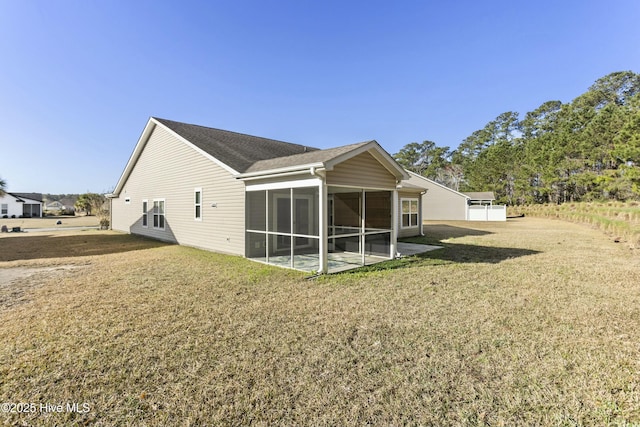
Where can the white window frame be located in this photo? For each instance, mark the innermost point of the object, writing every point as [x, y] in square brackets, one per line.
[5, 209]
[197, 204]
[416, 213]
[145, 213]
[159, 214]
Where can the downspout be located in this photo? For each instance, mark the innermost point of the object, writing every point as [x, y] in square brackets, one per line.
[421, 218]
[322, 222]
[395, 221]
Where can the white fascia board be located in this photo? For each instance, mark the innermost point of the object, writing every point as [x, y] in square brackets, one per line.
[142, 141]
[391, 164]
[23, 199]
[438, 184]
[31, 200]
[275, 172]
[378, 153]
[346, 156]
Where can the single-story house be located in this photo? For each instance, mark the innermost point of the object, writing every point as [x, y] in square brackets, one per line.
[66, 205]
[21, 205]
[53, 206]
[442, 203]
[271, 201]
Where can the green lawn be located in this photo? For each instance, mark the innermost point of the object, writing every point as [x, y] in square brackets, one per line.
[529, 322]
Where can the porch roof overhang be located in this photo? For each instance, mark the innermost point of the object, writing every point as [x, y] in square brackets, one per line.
[311, 169]
[405, 186]
[322, 160]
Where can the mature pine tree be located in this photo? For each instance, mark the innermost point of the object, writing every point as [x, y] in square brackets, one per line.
[583, 150]
[425, 159]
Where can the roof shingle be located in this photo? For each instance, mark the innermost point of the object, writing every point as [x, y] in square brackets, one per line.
[237, 150]
[317, 156]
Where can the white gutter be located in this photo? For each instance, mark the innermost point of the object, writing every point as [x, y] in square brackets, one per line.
[421, 210]
[288, 170]
[323, 219]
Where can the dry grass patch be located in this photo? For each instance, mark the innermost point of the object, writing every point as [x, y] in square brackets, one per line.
[24, 248]
[468, 335]
[51, 222]
[620, 220]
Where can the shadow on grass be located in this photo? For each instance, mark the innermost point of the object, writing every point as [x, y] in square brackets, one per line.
[443, 231]
[28, 246]
[450, 253]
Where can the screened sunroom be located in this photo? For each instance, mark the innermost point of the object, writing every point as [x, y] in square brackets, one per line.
[284, 227]
[333, 215]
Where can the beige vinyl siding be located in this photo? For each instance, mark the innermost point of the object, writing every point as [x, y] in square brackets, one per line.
[362, 171]
[441, 203]
[411, 231]
[170, 169]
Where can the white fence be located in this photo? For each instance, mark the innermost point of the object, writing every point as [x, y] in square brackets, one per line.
[487, 213]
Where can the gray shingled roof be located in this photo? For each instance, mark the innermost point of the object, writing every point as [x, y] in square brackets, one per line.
[31, 196]
[317, 156]
[236, 150]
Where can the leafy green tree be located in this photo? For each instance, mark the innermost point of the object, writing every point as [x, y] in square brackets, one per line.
[425, 159]
[90, 203]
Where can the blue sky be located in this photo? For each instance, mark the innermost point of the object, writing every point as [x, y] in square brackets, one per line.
[79, 79]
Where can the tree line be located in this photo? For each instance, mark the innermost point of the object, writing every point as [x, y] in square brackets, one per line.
[587, 149]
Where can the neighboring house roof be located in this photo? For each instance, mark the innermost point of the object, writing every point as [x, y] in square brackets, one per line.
[432, 182]
[35, 197]
[237, 150]
[66, 203]
[245, 156]
[480, 195]
[69, 202]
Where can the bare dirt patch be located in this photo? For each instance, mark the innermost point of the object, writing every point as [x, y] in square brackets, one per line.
[17, 282]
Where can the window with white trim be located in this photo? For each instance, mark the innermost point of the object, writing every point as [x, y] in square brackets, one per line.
[5, 208]
[145, 210]
[409, 213]
[197, 202]
[158, 214]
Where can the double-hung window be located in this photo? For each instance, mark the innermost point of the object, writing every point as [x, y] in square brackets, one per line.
[5, 208]
[197, 200]
[145, 210]
[409, 213]
[158, 214]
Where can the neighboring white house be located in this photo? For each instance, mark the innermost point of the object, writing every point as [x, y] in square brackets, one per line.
[271, 201]
[66, 206]
[17, 205]
[443, 203]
